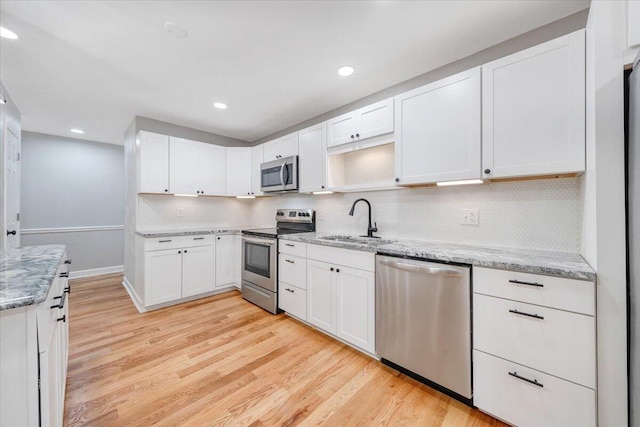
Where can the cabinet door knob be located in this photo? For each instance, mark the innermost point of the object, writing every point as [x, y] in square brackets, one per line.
[487, 171]
[337, 270]
[179, 252]
[185, 251]
[323, 186]
[357, 135]
[218, 238]
[352, 136]
[166, 191]
[331, 268]
[397, 179]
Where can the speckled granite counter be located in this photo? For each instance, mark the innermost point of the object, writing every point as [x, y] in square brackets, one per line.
[560, 264]
[26, 274]
[195, 232]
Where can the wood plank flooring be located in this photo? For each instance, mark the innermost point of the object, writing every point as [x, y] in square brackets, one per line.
[222, 361]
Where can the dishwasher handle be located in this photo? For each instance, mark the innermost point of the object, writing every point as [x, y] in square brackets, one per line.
[422, 269]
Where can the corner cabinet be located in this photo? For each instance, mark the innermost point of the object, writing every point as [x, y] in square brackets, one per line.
[367, 122]
[34, 349]
[196, 168]
[313, 158]
[285, 146]
[533, 110]
[225, 260]
[438, 131]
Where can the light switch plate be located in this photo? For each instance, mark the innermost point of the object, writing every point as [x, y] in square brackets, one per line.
[469, 217]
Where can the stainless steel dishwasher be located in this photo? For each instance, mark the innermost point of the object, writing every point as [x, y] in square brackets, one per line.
[423, 322]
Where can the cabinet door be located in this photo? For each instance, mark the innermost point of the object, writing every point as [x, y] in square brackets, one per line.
[272, 150]
[237, 260]
[355, 292]
[313, 158]
[533, 114]
[154, 163]
[321, 284]
[342, 129]
[375, 119]
[224, 260]
[50, 399]
[162, 276]
[289, 145]
[238, 171]
[184, 177]
[257, 158]
[438, 131]
[197, 270]
[212, 165]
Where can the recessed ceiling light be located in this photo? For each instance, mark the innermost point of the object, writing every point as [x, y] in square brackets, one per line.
[175, 30]
[8, 34]
[345, 71]
[220, 105]
[78, 131]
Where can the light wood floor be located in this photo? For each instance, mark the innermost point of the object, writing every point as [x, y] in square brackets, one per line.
[222, 361]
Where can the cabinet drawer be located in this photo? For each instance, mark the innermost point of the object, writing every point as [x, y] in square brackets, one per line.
[552, 403]
[292, 248]
[556, 342]
[293, 270]
[338, 256]
[556, 292]
[293, 300]
[175, 242]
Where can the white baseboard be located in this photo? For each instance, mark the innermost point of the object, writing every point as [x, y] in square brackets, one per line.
[133, 295]
[96, 271]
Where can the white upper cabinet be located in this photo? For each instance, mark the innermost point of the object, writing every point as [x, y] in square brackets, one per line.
[285, 146]
[533, 110]
[154, 163]
[238, 171]
[633, 23]
[367, 122]
[313, 158]
[438, 131]
[257, 158]
[212, 167]
[183, 166]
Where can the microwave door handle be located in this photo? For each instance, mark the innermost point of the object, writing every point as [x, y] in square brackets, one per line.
[282, 174]
[286, 170]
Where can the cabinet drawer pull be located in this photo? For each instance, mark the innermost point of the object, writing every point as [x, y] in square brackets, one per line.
[198, 238]
[536, 316]
[290, 245]
[63, 298]
[290, 290]
[518, 282]
[164, 241]
[63, 318]
[534, 382]
[67, 289]
[289, 261]
[68, 261]
[64, 274]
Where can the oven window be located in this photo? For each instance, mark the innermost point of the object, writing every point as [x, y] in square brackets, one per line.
[257, 259]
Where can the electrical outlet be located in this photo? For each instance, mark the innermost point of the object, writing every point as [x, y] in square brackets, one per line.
[469, 217]
[180, 212]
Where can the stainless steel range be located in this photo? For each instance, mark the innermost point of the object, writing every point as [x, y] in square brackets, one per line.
[260, 256]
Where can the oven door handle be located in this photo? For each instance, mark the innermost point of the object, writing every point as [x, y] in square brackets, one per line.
[259, 241]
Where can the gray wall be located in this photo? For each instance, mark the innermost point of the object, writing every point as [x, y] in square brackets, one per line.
[70, 183]
[8, 111]
[164, 128]
[539, 35]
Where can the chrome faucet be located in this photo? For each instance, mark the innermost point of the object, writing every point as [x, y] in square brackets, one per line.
[370, 229]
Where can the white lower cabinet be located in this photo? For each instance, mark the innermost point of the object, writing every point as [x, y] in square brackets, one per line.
[34, 347]
[534, 358]
[225, 246]
[292, 300]
[341, 298]
[182, 268]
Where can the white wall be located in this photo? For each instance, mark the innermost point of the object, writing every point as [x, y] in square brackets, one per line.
[604, 216]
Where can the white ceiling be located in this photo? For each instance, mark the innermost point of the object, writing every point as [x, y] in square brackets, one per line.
[96, 64]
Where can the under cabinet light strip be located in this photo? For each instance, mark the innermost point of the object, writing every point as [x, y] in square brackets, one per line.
[186, 195]
[462, 182]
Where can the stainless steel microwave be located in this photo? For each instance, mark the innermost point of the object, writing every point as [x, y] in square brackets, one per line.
[279, 175]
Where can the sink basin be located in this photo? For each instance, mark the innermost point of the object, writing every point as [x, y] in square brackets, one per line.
[360, 240]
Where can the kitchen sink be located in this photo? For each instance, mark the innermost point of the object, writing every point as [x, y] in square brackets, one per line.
[359, 240]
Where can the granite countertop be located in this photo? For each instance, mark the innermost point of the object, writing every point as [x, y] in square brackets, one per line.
[560, 264]
[193, 232]
[26, 274]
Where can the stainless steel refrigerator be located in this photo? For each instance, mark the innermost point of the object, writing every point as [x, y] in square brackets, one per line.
[633, 240]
